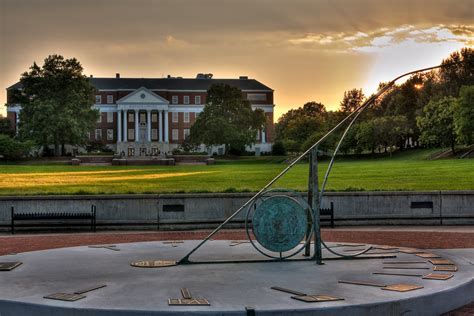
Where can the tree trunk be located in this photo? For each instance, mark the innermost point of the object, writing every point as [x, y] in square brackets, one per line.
[452, 147]
[57, 150]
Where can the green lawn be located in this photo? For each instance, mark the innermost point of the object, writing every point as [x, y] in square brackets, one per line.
[403, 171]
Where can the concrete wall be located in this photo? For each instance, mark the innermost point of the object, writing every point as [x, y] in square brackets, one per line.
[207, 210]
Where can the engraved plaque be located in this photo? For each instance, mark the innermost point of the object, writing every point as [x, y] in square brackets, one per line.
[280, 223]
[449, 268]
[427, 255]
[8, 266]
[90, 289]
[402, 287]
[188, 302]
[65, 297]
[316, 298]
[438, 276]
[153, 263]
[441, 261]
[185, 293]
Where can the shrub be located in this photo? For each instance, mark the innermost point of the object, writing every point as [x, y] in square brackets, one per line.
[12, 149]
[278, 149]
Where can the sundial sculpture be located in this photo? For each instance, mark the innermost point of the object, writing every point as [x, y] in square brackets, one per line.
[281, 220]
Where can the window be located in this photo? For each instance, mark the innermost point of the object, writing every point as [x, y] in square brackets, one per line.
[99, 120]
[89, 135]
[186, 117]
[174, 134]
[154, 117]
[174, 117]
[197, 99]
[110, 99]
[131, 152]
[98, 134]
[131, 117]
[186, 133]
[131, 134]
[174, 99]
[186, 99]
[257, 97]
[154, 134]
[110, 134]
[98, 99]
[110, 117]
[142, 117]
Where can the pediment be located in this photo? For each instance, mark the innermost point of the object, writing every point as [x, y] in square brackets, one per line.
[142, 96]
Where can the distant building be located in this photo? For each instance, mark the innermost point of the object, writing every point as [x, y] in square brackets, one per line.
[144, 116]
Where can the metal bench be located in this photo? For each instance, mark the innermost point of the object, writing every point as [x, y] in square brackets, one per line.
[32, 216]
[328, 212]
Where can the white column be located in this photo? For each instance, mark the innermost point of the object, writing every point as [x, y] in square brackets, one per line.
[166, 127]
[148, 124]
[136, 126]
[125, 126]
[160, 125]
[119, 126]
[17, 119]
[264, 138]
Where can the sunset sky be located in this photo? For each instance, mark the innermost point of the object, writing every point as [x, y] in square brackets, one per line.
[310, 50]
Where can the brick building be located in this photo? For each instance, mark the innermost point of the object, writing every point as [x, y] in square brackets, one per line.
[144, 116]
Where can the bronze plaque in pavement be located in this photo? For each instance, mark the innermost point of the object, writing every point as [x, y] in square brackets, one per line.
[402, 287]
[188, 301]
[153, 263]
[438, 276]
[441, 262]
[316, 298]
[65, 297]
[449, 268]
[427, 255]
[8, 266]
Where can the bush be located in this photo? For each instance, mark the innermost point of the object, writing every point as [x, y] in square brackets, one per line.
[278, 149]
[12, 149]
[99, 146]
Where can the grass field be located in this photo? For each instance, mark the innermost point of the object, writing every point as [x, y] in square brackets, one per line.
[404, 171]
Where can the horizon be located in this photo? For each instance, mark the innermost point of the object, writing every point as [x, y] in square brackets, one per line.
[305, 51]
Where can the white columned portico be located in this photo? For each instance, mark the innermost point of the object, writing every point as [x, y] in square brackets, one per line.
[125, 129]
[148, 124]
[137, 134]
[160, 125]
[166, 127]
[264, 137]
[119, 126]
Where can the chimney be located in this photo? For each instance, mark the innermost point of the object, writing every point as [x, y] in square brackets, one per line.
[117, 75]
[91, 76]
[243, 77]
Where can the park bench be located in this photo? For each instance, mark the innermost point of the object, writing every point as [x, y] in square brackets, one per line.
[327, 212]
[53, 216]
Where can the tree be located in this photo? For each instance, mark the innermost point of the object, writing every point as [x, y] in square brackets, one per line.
[352, 100]
[464, 115]
[6, 126]
[227, 119]
[458, 70]
[437, 123]
[56, 101]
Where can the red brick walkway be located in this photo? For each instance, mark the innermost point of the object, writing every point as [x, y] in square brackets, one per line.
[421, 238]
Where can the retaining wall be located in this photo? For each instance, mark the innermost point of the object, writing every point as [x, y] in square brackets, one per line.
[188, 211]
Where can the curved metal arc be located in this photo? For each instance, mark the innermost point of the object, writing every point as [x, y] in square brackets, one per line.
[323, 138]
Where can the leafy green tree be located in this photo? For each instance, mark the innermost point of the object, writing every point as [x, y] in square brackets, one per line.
[6, 126]
[56, 101]
[458, 71]
[464, 115]
[227, 119]
[352, 100]
[437, 123]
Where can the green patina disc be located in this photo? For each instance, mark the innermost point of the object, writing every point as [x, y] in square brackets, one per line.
[279, 223]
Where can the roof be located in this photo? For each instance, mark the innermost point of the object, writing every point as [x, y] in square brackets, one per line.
[167, 84]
